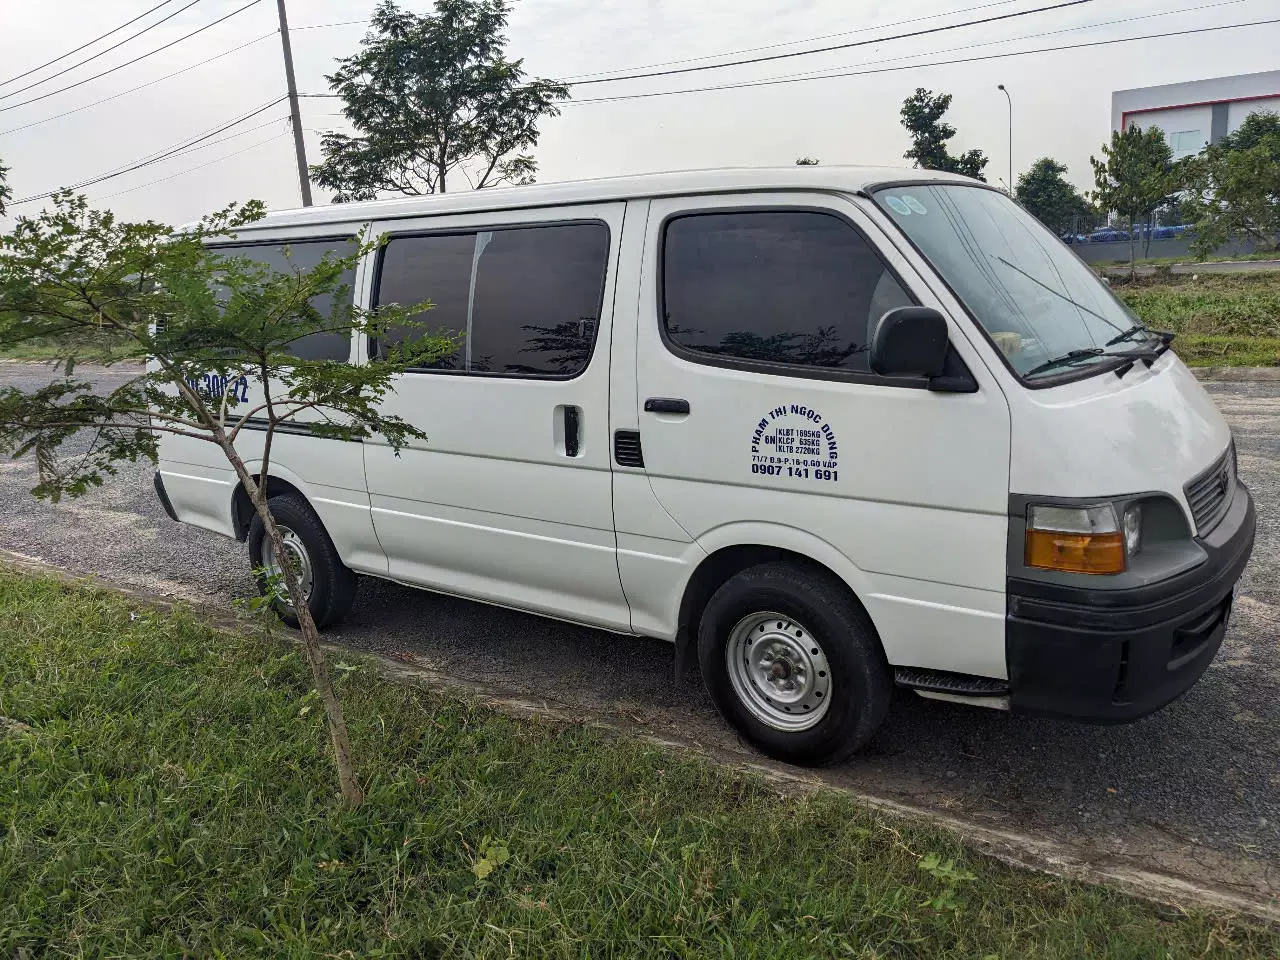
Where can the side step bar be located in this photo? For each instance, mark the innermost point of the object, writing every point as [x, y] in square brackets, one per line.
[941, 681]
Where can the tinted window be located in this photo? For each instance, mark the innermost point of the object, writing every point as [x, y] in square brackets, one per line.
[784, 287]
[435, 269]
[537, 299]
[301, 257]
[527, 300]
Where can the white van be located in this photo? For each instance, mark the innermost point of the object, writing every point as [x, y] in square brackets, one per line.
[832, 429]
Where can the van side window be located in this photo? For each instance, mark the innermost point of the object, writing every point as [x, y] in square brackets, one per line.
[537, 299]
[304, 255]
[435, 269]
[526, 300]
[788, 286]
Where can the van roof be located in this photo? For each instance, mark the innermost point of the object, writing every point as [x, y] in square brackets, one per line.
[841, 179]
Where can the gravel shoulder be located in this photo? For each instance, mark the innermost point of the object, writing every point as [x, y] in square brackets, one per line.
[1193, 790]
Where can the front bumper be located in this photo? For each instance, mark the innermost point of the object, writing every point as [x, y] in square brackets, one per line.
[1116, 655]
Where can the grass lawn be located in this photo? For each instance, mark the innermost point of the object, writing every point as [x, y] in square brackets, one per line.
[173, 797]
[1223, 318]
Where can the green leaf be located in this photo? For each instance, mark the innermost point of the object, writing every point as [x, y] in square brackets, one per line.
[493, 854]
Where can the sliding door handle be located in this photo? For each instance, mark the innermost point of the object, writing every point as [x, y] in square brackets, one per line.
[666, 405]
[572, 426]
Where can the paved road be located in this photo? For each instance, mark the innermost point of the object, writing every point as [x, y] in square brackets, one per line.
[1195, 788]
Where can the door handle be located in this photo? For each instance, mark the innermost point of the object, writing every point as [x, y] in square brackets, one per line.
[572, 422]
[666, 405]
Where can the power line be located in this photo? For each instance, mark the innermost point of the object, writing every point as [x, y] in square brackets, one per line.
[349, 23]
[918, 66]
[163, 154]
[817, 74]
[199, 166]
[826, 72]
[827, 49]
[837, 46]
[213, 143]
[49, 63]
[100, 53]
[127, 63]
[141, 86]
[860, 43]
[788, 43]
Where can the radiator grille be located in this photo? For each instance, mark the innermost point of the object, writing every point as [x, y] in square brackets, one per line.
[1209, 494]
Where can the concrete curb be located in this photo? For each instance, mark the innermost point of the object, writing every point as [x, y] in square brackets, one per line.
[1237, 374]
[1193, 267]
[1022, 851]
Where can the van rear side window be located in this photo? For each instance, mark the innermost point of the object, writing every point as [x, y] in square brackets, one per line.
[436, 269]
[526, 300]
[304, 255]
[789, 287]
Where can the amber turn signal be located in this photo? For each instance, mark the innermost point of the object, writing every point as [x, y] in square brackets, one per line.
[1075, 552]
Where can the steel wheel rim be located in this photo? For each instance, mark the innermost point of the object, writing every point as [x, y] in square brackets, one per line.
[779, 671]
[297, 557]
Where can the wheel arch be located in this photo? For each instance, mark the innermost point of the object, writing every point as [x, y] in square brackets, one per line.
[279, 481]
[736, 547]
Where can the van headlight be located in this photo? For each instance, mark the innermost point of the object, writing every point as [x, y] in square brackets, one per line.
[1077, 539]
[1133, 530]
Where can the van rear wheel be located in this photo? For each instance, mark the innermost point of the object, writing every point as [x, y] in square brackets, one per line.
[793, 663]
[330, 586]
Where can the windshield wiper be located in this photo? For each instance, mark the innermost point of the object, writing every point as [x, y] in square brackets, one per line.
[1129, 334]
[1070, 357]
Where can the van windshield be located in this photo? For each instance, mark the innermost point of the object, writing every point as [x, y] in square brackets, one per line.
[1042, 307]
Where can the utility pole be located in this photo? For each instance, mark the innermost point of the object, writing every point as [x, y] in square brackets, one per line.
[295, 115]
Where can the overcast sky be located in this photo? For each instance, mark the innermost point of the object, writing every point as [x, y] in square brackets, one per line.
[1061, 100]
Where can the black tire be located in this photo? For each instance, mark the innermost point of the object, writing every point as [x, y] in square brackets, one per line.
[333, 584]
[860, 684]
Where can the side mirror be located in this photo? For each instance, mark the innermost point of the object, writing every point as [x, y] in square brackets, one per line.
[910, 341]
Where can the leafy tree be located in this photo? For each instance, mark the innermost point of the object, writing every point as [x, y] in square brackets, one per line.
[1050, 198]
[822, 348]
[6, 192]
[569, 343]
[431, 96]
[1171, 214]
[922, 114]
[203, 320]
[1258, 129]
[1135, 176]
[1233, 187]
[807, 161]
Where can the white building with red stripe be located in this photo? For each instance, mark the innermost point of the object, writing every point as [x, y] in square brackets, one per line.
[1197, 112]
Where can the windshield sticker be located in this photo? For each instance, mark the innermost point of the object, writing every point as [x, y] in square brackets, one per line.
[793, 443]
[898, 206]
[915, 205]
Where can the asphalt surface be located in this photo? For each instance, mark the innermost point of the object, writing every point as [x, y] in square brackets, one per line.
[1194, 789]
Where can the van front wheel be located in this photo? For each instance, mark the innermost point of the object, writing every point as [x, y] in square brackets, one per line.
[792, 662]
[330, 586]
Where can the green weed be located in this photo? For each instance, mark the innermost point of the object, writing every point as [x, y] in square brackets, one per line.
[171, 796]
